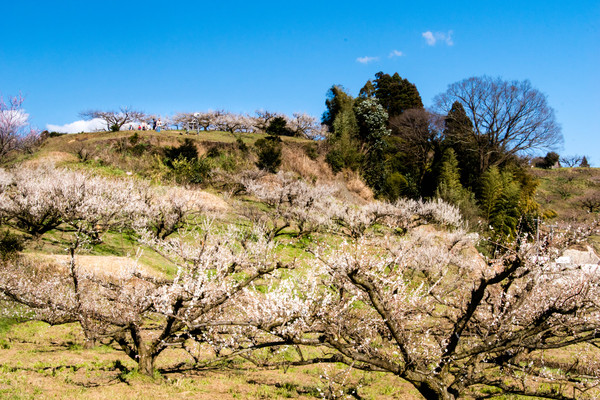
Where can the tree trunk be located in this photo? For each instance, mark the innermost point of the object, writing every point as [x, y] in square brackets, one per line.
[146, 363]
[433, 392]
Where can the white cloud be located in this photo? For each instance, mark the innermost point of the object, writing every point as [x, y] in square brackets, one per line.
[433, 37]
[366, 59]
[396, 53]
[429, 38]
[92, 125]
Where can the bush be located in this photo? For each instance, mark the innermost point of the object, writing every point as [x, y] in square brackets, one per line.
[278, 127]
[311, 151]
[213, 152]
[187, 150]
[140, 149]
[395, 186]
[134, 139]
[191, 171]
[549, 161]
[243, 147]
[269, 153]
[335, 160]
[10, 245]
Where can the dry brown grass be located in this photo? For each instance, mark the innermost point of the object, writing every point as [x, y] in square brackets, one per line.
[105, 266]
[51, 157]
[294, 159]
[357, 186]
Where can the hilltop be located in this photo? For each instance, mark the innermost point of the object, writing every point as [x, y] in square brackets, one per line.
[142, 153]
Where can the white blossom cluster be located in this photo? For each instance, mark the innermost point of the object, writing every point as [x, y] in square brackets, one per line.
[293, 202]
[428, 308]
[39, 200]
[309, 208]
[300, 124]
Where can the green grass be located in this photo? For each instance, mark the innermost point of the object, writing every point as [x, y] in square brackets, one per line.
[45, 362]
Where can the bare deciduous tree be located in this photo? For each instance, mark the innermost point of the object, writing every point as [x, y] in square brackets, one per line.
[590, 201]
[507, 118]
[570, 161]
[263, 118]
[114, 120]
[15, 132]
[420, 135]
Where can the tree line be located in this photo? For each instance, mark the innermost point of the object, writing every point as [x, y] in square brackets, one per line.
[299, 124]
[468, 149]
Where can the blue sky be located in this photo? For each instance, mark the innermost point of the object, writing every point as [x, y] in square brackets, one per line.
[69, 56]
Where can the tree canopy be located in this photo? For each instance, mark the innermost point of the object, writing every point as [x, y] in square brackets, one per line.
[114, 119]
[395, 94]
[505, 118]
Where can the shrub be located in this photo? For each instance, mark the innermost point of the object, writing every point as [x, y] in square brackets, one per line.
[134, 139]
[187, 150]
[549, 161]
[278, 127]
[243, 147]
[9, 245]
[335, 160]
[395, 186]
[269, 153]
[213, 152]
[191, 171]
[140, 149]
[311, 151]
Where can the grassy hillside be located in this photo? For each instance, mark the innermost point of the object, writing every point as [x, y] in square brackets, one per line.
[142, 153]
[563, 191]
[39, 360]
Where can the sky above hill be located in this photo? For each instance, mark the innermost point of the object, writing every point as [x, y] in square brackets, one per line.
[164, 57]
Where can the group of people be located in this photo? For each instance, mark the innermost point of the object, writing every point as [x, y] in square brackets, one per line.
[156, 126]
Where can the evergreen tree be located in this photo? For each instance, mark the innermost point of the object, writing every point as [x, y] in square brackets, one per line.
[394, 93]
[458, 135]
[499, 201]
[278, 127]
[344, 144]
[337, 100]
[269, 153]
[187, 150]
[372, 119]
[584, 163]
[551, 160]
[450, 188]
[367, 91]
